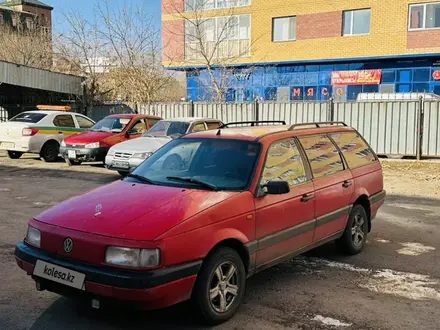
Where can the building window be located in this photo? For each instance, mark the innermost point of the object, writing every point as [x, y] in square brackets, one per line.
[29, 23]
[356, 22]
[424, 16]
[284, 29]
[203, 5]
[218, 37]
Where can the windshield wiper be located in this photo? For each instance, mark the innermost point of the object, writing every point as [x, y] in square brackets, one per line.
[140, 178]
[195, 181]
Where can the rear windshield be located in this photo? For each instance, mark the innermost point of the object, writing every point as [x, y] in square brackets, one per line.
[29, 117]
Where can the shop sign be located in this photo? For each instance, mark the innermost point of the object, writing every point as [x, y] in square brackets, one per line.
[360, 77]
[436, 75]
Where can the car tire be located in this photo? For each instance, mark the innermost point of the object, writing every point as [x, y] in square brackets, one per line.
[355, 234]
[49, 152]
[72, 162]
[14, 154]
[223, 305]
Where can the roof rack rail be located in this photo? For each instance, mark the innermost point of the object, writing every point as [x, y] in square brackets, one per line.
[254, 123]
[318, 124]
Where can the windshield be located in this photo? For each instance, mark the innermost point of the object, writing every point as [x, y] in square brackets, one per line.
[214, 164]
[168, 128]
[109, 124]
[29, 117]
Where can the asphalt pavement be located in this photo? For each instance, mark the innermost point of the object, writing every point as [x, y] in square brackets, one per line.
[393, 284]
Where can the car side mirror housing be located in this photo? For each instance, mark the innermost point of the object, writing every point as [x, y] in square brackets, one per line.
[276, 187]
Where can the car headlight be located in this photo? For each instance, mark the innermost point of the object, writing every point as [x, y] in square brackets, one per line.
[129, 257]
[63, 143]
[143, 155]
[111, 152]
[33, 236]
[92, 145]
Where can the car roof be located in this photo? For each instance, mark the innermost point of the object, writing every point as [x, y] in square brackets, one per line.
[191, 119]
[267, 132]
[132, 115]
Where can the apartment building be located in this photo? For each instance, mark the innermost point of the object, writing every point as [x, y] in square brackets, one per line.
[306, 50]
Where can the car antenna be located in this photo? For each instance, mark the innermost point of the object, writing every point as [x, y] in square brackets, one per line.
[219, 132]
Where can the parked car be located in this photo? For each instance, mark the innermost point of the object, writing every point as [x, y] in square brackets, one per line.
[41, 131]
[239, 201]
[93, 145]
[126, 156]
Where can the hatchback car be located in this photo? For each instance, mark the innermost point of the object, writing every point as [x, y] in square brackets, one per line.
[126, 156]
[41, 131]
[239, 201]
[93, 145]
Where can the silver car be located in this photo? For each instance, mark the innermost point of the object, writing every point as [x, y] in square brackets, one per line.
[126, 156]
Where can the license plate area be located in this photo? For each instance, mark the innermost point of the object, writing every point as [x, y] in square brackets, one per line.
[5, 145]
[71, 154]
[121, 164]
[59, 274]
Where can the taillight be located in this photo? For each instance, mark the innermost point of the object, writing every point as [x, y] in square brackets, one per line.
[29, 131]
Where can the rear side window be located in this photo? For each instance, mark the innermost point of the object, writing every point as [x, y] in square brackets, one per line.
[213, 124]
[29, 117]
[284, 163]
[354, 149]
[64, 121]
[84, 122]
[322, 154]
[199, 127]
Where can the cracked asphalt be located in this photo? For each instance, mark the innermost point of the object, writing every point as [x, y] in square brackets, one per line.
[393, 284]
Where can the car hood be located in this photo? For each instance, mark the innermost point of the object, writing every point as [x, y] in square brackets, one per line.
[142, 144]
[88, 137]
[130, 210]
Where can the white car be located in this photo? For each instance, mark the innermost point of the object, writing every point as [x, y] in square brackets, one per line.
[126, 156]
[41, 131]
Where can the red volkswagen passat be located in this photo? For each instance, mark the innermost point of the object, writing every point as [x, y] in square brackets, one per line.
[205, 212]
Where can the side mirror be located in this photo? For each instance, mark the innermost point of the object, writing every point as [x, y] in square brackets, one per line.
[277, 187]
[133, 132]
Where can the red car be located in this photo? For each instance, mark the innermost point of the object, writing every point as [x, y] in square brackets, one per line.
[93, 145]
[205, 212]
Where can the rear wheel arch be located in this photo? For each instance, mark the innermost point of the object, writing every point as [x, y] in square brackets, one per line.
[364, 201]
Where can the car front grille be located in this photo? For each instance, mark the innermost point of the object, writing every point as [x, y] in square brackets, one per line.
[123, 155]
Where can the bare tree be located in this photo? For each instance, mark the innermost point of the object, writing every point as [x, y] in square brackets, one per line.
[215, 43]
[26, 42]
[119, 53]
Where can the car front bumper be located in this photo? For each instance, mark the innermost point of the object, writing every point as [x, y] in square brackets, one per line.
[123, 165]
[148, 289]
[85, 154]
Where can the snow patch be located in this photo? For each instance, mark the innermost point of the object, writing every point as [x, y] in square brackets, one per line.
[384, 241]
[331, 322]
[44, 204]
[414, 249]
[5, 189]
[407, 285]
[21, 197]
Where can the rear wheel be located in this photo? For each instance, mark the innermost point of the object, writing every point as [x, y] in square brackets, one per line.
[49, 152]
[14, 154]
[220, 286]
[355, 235]
[72, 162]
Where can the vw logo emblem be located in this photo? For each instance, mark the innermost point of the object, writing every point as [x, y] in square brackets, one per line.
[98, 209]
[68, 245]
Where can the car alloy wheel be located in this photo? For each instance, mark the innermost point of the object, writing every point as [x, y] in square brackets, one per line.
[224, 287]
[357, 230]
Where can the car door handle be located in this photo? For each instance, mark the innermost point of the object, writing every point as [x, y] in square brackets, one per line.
[347, 184]
[307, 197]
[60, 132]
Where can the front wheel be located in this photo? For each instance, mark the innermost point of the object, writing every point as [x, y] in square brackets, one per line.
[220, 286]
[355, 235]
[14, 154]
[49, 152]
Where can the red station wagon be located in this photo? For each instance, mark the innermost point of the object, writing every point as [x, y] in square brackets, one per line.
[205, 212]
[93, 145]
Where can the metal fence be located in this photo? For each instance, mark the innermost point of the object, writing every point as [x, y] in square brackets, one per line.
[393, 128]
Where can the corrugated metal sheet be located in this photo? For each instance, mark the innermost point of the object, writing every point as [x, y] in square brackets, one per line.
[24, 76]
[293, 113]
[431, 129]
